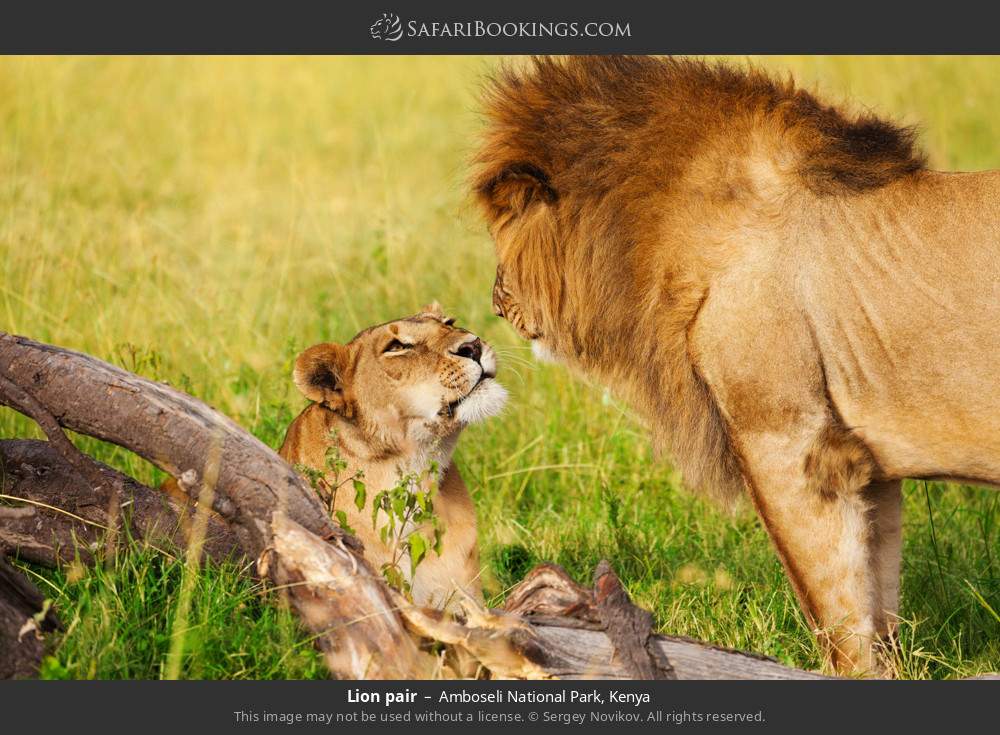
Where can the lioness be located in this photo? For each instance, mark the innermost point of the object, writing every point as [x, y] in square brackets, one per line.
[395, 399]
[795, 303]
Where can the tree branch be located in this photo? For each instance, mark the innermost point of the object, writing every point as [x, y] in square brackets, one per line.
[62, 516]
[20, 400]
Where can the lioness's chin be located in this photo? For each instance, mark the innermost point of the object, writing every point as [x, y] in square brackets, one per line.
[487, 399]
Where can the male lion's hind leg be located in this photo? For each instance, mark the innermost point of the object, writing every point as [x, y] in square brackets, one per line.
[811, 496]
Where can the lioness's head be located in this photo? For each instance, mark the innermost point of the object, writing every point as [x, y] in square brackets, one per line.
[419, 378]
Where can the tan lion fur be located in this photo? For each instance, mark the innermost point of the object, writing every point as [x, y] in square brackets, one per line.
[392, 412]
[797, 306]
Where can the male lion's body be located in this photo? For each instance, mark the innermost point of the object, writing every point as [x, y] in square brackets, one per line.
[907, 321]
[798, 307]
[882, 303]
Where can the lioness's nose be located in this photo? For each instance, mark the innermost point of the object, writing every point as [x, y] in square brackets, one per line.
[472, 350]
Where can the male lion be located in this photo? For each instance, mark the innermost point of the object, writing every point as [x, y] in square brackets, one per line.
[794, 302]
[392, 401]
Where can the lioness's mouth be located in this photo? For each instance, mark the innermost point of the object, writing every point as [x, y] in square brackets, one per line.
[449, 410]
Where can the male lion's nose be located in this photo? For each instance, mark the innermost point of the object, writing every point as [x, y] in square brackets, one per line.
[472, 350]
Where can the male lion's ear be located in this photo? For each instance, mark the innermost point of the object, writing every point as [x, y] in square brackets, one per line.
[320, 373]
[515, 187]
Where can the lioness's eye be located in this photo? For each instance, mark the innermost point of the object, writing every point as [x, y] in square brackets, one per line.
[396, 346]
[449, 322]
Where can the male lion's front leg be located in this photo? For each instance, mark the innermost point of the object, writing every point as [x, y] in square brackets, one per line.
[886, 544]
[811, 494]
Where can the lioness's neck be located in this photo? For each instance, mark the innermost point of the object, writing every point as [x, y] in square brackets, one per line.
[373, 447]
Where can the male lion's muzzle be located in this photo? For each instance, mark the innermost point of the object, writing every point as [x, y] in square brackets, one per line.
[505, 307]
[500, 294]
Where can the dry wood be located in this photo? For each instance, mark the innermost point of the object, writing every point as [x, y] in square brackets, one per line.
[552, 627]
[629, 627]
[24, 618]
[170, 429]
[575, 627]
[61, 516]
[348, 605]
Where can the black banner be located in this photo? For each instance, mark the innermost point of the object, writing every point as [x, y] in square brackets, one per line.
[481, 706]
[511, 27]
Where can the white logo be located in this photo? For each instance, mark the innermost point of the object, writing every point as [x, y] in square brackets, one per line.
[387, 28]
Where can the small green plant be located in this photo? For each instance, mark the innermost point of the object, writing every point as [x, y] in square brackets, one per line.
[409, 513]
[327, 481]
[411, 528]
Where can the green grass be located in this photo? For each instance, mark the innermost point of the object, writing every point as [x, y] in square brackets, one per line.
[201, 220]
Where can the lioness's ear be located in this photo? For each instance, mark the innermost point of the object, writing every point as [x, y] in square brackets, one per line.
[433, 310]
[516, 186]
[320, 373]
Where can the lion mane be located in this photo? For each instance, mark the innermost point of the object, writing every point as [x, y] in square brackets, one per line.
[594, 137]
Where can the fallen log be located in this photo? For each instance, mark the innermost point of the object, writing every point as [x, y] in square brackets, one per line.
[552, 627]
[50, 515]
[227, 469]
[166, 427]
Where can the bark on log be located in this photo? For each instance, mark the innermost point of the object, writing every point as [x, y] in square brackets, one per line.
[601, 634]
[63, 515]
[172, 430]
[553, 627]
[24, 618]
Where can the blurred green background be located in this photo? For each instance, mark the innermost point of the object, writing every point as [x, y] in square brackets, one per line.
[201, 220]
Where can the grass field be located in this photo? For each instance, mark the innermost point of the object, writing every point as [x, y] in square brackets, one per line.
[200, 221]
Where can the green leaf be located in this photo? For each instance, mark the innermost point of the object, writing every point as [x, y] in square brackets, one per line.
[377, 506]
[312, 476]
[421, 498]
[393, 576]
[52, 668]
[360, 494]
[399, 506]
[438, 545]
[342, 520]
[418, 550]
